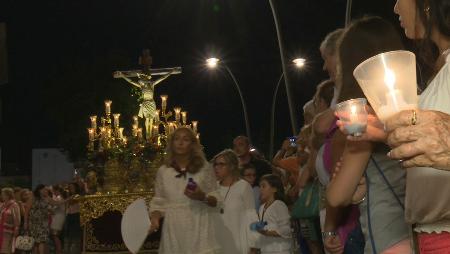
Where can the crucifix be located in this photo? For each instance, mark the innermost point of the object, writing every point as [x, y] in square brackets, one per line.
[147, 85]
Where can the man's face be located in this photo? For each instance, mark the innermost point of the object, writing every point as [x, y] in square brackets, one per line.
[241, 147]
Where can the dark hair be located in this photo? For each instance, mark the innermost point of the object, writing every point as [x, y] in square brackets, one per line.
[275, 182]
[77, 188]
[61, 191]
[364, 38]
[37, 191]
[432, 13]
[325, 91]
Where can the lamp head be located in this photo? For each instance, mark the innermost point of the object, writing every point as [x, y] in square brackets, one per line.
[299, 62]
[212, 62]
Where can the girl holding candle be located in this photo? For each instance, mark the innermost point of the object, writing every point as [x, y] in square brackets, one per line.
[238, 205]
[381, 196]
[188, 220]
[420, 138]
[275, 235]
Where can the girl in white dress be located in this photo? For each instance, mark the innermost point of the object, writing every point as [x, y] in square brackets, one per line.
[276, 235]
[237, 210]
[188, 223]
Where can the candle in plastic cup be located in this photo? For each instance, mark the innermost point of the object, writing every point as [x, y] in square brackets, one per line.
[388, 80]
[354, 115]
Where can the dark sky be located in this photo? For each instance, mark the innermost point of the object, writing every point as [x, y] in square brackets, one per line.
[62, 54]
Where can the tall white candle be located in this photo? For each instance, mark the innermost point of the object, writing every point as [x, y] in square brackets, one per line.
[108, 107]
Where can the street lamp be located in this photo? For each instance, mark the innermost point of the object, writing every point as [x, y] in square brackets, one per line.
[299, 63]
[213, 63]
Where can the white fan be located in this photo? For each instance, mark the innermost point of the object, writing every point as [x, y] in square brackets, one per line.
[135, 225]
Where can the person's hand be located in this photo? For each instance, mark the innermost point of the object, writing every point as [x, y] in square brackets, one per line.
[196, 194]
[286, 145]
[426, 144]
[374, 132]
[333, 245]
[154, 220]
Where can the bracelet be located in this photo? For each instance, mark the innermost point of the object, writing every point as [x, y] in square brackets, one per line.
[327, 234]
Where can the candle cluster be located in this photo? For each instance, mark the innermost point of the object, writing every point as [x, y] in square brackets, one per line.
[110, 132]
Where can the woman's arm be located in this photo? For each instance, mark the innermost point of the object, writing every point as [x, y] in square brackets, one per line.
[354, 162]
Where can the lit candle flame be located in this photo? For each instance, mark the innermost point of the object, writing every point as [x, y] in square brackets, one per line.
[389, 78]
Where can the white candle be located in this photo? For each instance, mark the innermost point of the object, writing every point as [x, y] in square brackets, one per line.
[177, 114]
[135, 120]
[91, 134]
[163, 103]
[135, 130]
[157, 115]
[394, 98]
[194, 126]
[184, 117]
[94, 122]
[139, 134]
[116, 120]
[155, 130]
[108, 107]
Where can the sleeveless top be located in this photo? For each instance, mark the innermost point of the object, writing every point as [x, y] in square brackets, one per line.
[387, 220]
[427, 191]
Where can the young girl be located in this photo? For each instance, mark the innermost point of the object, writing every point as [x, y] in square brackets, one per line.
[276, 235]
[248, 173]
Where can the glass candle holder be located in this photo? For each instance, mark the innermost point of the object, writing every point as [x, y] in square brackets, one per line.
[388, 80]
[354, 115]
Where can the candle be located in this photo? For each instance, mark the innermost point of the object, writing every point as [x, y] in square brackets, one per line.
[124, 140]
[394, 98]
[177, 113]
[163, 103]
[157, 115]
[94, 122]
[108, 107]
[135, 120]
[194, 126]
[354, 116]
[91, 134]
[103, 120]
[135, 130]
[120, 133]
[116, 120]
[109, 132]
[155, 130]
[184, 117]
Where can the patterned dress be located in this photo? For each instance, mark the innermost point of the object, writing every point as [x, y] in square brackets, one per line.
[39, 221]
[7, 218]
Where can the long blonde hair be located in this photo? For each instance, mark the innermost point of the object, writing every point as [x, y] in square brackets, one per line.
[196, 159]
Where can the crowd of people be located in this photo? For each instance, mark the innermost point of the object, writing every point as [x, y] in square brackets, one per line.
[48, 214]
[385, 191]
[328, 192]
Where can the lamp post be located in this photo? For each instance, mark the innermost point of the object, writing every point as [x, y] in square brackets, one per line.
[299, 63]
[213, 63]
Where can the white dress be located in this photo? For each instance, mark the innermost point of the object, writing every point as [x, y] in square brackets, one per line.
[233, 225]
[188, 224]
[278, 219]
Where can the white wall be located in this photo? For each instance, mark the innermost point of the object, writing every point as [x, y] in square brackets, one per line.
[50, 166]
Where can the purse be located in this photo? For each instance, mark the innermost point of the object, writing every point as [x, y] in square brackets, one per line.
[24, 242]
[307, 205]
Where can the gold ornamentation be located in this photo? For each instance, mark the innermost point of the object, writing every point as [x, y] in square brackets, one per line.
[94, 206]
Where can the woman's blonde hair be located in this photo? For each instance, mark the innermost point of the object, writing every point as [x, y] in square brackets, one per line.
[197, 157]
[231, 159]
[8, 192]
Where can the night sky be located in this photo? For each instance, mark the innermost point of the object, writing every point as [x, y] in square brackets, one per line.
[62, 54]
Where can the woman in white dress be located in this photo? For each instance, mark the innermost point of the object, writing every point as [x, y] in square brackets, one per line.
[58, 217]
[237, 210]
[185, 190]
[276, 235]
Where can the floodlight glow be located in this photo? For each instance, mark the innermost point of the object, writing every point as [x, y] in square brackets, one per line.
[212, 62]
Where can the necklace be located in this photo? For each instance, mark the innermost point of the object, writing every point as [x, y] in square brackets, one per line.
[261, 219]
[222, 209]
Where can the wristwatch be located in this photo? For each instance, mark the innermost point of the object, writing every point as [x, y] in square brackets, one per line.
[328, 234]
